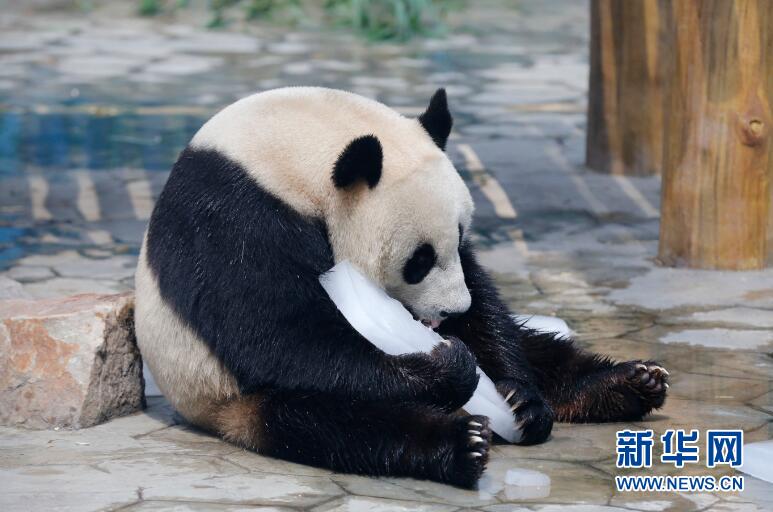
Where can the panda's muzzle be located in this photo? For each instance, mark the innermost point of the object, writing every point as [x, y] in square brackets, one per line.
[432, 324]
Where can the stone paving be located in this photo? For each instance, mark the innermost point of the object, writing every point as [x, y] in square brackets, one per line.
[95, 105]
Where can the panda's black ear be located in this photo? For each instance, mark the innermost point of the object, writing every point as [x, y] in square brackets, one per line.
[360, 160]
[437, 119]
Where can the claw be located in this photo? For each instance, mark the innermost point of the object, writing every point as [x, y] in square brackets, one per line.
[509, 395]
[666, 385]
[658, 369]
[475, 424]
[476, 439]
[474, 455]
[474, 432]
[640, 366]
[516, 405]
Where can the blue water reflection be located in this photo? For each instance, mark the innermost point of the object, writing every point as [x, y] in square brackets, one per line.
[68, 140]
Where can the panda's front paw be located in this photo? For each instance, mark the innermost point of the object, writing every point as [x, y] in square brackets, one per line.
[471, 451]
[445, 378]
[533, 416]
[648, 381]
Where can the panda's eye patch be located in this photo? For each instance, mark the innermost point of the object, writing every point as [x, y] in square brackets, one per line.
[419, 264]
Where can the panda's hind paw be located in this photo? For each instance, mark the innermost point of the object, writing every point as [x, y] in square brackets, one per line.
[471, 451]
[649, 381]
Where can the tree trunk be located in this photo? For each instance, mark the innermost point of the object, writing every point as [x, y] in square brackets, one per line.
[625, 116]
[718, 156]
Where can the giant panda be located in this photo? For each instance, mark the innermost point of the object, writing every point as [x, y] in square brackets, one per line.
[245, 343]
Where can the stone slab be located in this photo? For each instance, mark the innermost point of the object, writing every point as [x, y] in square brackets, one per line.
[10, 289]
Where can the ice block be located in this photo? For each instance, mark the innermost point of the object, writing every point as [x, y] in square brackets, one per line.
[756, 460]
[384, 322]
[545, 324]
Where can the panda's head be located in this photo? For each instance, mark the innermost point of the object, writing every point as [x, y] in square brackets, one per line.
[401, 212]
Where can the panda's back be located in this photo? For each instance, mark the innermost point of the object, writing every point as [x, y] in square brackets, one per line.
[289, 139]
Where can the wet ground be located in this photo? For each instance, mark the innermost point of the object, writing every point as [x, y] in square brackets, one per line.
[94, 107]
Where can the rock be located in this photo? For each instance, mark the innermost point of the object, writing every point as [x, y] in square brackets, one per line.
[69, 362]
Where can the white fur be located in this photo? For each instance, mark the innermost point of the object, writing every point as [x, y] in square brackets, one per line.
[184, 368]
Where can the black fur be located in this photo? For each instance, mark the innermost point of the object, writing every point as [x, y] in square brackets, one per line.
[437, 120]
[550, 378]
[352, 436]
[362, 159]
[241, 268]
[419, 264]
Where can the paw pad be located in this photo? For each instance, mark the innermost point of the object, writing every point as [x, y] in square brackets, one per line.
[649, 377]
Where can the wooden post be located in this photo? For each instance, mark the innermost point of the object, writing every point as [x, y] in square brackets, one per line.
[625, 116]
[718, 154]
